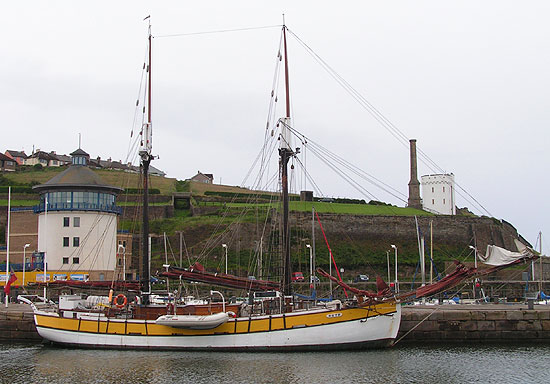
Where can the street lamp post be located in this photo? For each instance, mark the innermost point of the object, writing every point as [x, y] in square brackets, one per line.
[123, 260]
[396, 280]
[24, 261]
[311, 279]
[475, 255]
[388, 259]
[475, 266]
[225, 246]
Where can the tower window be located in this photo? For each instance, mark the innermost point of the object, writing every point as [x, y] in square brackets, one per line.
[433, 201]
[65, 241]
[443, 189]
[66, 221]
[443, 201]
[65, 260]
[432, 189]
[76, 241]
[76, 221]
[76, 260]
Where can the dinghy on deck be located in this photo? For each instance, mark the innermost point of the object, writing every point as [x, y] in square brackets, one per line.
[193, 321]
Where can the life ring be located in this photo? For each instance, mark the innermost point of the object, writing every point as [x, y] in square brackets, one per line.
[124, 302]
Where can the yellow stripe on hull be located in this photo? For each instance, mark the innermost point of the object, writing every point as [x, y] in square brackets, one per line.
[233, 326]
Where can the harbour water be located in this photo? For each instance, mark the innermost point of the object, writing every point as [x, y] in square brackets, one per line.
[28, 363]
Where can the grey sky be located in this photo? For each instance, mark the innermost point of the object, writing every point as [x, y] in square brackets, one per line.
[469, 80]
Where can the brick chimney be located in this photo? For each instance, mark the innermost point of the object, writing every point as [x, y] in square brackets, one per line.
[414, 185]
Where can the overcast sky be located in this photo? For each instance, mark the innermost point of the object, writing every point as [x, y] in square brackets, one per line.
[469, 80]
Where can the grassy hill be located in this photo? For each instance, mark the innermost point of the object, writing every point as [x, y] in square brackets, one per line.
[117, 178]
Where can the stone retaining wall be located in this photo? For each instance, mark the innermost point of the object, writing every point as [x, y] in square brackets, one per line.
[18, 326]
[497, 323]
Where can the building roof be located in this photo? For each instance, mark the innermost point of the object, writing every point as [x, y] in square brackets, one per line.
[201, 175]
[79, 152]
[76, 176]
[156, 171]
[16, 153]
[63, 158]
[5, 158]
[43, 155]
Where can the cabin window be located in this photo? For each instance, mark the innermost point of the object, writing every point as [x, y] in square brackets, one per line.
[65, 260]
[66, 221]
[76, 241]
[65, 241]
[76, 260]
[76, 221]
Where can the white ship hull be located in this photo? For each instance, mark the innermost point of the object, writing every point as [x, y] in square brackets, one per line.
[371, 332]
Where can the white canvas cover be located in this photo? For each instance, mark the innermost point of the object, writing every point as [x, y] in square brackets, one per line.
[500, 256]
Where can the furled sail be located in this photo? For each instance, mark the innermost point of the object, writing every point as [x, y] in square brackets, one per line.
[499, 256]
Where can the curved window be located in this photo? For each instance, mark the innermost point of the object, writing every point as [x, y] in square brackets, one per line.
[79, 200]
[79, 160]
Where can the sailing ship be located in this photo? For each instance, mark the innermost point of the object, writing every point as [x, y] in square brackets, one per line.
[272, 319]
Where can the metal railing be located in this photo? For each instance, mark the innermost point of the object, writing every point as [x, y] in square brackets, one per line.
[111, 208]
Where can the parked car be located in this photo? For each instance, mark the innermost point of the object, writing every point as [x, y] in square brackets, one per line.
[297, 276]
[314, 279]
[361, 278]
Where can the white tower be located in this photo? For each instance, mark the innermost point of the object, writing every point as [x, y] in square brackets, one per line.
[77, 229]
[438, 194]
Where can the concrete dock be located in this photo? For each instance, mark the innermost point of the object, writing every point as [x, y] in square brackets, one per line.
[467, 323]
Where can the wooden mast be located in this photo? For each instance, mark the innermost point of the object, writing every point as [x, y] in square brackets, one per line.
[285, 152]
[145, 154]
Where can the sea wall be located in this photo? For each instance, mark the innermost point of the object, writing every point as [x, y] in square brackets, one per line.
[17, 324]
[475, 323]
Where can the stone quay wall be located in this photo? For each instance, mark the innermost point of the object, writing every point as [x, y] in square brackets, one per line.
[475, 323]
[17, 324]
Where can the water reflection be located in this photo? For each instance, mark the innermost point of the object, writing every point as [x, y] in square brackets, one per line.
[444, 364]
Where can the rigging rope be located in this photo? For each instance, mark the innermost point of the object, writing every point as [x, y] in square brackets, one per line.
[330, 251]
[378, 116]
[217, 31]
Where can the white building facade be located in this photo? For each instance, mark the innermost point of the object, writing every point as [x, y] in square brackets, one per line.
[78, 240]
[438, 193]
